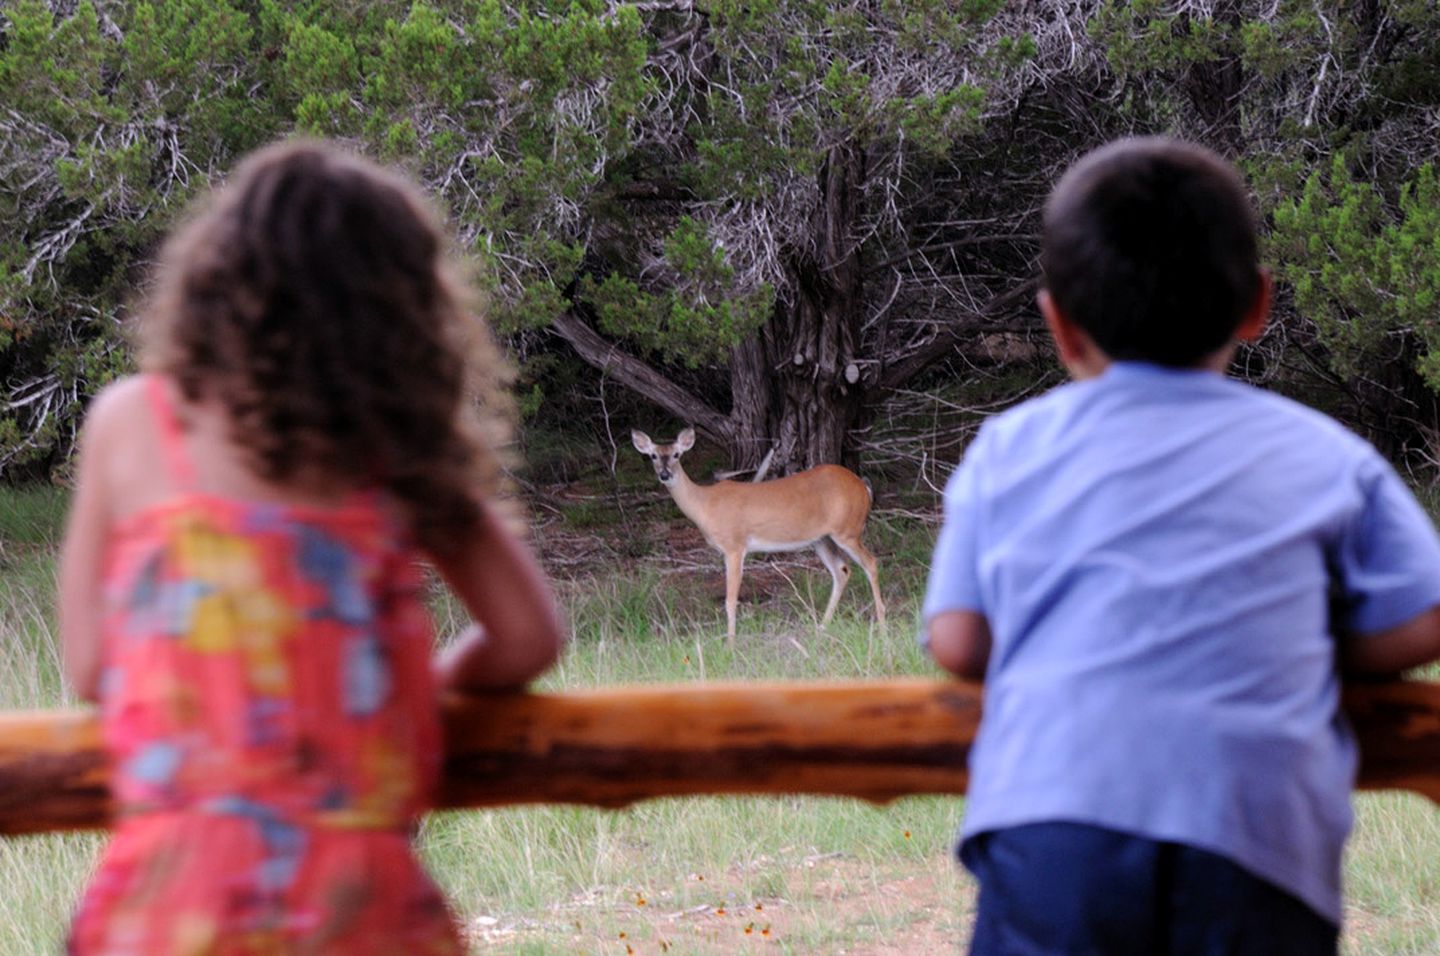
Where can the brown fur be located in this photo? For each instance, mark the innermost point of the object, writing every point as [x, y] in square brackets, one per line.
[824, 507]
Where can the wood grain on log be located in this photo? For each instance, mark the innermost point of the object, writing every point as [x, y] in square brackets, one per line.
[52, 772]
[876, 740]
[610, 747]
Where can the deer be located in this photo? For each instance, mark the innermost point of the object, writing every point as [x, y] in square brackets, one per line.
[824, 508]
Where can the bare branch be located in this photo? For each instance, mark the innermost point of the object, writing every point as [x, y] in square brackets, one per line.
[642, 378]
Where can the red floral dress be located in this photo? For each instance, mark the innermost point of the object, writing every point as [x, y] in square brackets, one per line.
[270, 714]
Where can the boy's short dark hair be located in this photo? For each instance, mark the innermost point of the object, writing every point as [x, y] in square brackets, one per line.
[1150, 247]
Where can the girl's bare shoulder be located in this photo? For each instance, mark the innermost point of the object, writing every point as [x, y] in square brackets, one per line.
[123, 401]
[117, 438]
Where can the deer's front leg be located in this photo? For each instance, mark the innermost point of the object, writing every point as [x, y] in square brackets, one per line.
[734, 567]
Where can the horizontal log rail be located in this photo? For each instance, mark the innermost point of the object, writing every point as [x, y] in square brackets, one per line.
[875, 740]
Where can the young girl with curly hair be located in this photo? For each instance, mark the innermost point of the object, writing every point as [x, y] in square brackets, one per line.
[318, 408]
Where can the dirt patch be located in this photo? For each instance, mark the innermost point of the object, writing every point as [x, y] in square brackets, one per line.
[827, 904]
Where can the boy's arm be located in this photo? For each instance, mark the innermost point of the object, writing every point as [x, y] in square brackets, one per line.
[518, 631]
[1395, 649]
[960, 642]
[1388, 571]
[956, 632]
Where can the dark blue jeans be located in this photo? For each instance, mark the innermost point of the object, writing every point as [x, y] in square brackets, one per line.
[1064, 888]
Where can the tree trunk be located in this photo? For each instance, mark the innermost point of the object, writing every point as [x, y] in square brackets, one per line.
[796, 385]
[752, 396]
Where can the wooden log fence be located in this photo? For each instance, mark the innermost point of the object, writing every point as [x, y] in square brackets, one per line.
[609, 747]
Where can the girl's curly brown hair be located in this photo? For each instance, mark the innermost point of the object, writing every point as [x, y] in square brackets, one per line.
[316, 299]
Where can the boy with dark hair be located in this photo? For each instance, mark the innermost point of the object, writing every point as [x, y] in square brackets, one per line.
[1160, 573]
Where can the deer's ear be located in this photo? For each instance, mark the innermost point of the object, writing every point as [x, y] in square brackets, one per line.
[642, 441]
[686, 440]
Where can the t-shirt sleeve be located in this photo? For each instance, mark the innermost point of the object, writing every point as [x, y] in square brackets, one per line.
[1388, 562]
[954, 583]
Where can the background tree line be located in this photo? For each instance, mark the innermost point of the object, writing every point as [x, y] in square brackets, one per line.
[767, 218]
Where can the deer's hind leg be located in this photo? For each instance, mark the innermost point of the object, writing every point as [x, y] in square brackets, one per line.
[839, 570]
[866, 560]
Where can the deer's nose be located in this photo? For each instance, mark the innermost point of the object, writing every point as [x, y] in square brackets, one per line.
[664, 472]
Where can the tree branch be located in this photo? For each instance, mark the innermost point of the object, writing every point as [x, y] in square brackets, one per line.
[641, 378]
[908, 254]
[901, 372]
[654, 190]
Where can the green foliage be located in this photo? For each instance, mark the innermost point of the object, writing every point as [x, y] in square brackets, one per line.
[110, 127]
[1328, 107]
[695, 321]
[527, 118]
[1366, 272]
[934, 124]
[510, 110]
[1144, 36]
[319, 70]
[664, 173]
[824, 67]
[800, 101]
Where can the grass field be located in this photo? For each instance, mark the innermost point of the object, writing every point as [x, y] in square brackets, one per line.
[702, 876]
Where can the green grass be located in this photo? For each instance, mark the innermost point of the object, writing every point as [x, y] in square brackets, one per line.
[30, 525]
[41, 875]
[29, 655]
[31, 515]
[1392, 880]
[547, 869]
[699, 875]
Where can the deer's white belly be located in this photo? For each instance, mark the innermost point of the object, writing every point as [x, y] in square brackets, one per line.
[760, 544]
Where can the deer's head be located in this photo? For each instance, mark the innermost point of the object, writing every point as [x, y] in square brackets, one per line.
[665, 458]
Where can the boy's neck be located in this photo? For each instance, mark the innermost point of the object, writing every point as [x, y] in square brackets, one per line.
[1095, 364]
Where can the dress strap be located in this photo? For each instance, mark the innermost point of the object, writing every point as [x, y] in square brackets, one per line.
[172, 438]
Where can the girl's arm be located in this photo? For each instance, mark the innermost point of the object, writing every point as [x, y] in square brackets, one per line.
[518, 632]
[81, 556]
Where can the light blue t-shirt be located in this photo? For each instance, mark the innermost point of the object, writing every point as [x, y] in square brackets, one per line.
[1164, 557]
